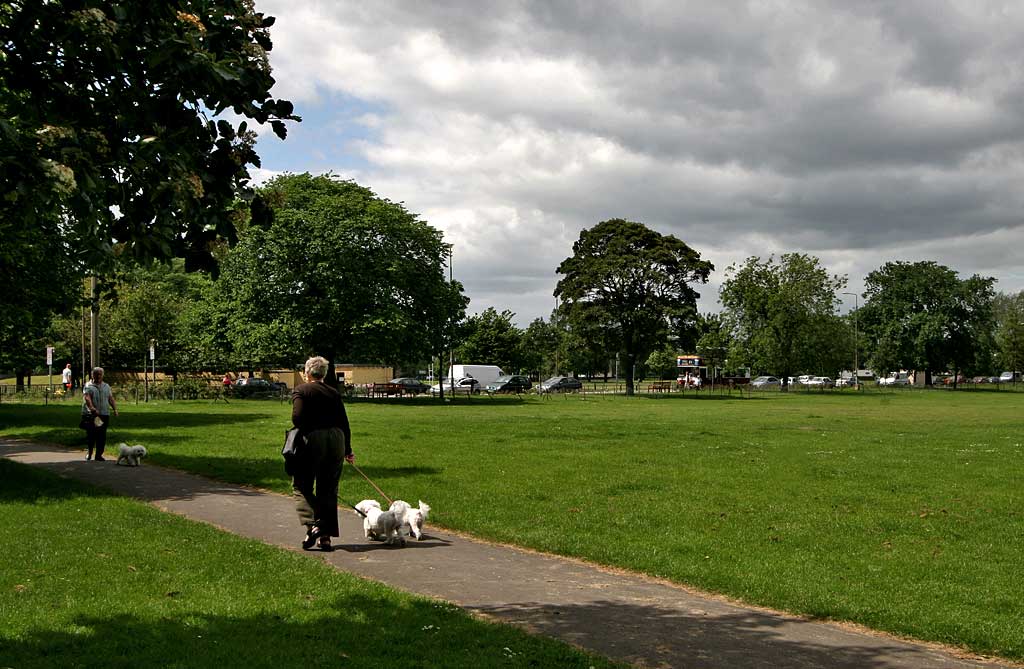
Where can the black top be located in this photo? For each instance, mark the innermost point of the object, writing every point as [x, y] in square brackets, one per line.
[317, 406]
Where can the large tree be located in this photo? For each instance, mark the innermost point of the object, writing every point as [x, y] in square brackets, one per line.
[922, 316]
[779, 313]
[635, 280]
[111, 148]
[491, 338]
[1009, 315]
[107, 114]
[339, 272]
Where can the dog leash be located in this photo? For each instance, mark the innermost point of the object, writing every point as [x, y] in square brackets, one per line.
[390, 501]
[355, 508]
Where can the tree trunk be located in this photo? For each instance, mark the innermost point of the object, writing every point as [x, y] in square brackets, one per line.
[630, 386]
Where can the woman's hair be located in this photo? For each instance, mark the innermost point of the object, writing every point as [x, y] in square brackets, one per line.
[316, 367]
[97, 372]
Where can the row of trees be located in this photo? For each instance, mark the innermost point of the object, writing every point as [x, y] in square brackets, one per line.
[331, 268]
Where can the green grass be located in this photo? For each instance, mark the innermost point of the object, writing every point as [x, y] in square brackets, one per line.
[901, 511]
[92, 580]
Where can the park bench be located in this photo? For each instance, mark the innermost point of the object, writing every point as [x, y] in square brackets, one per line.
[660, 387]
[385, 390]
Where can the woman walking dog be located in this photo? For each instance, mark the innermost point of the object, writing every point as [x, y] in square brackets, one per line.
[320, 416]
[97, 401]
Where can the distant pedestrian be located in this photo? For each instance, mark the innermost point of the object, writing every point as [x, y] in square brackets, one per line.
[319, 414]
[65, 378]
[227, 380]
[97, 402]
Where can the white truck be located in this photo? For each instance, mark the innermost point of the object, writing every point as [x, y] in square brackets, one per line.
[483, 373]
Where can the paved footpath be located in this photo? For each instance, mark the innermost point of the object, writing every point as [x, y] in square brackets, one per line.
[623, 616]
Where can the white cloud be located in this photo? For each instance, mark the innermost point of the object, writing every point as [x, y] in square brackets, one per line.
[860, 133]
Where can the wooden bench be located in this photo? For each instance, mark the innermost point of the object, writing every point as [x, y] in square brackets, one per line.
[385, 389]
[660, 387]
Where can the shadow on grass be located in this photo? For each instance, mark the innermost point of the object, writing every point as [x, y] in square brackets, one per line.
[344, 631]
[678, 637]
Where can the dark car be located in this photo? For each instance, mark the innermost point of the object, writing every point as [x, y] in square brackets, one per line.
[411, 385]
[250, 386]
[510, 383]
[560, 384]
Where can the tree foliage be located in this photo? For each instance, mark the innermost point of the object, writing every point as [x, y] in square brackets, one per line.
[341, 273]
[633, 281]
[105, 117]
[921, 316]
[781, 314]
[1009, 336]
[493, 339]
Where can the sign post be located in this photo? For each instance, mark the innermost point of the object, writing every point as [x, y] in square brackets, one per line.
[49, 373]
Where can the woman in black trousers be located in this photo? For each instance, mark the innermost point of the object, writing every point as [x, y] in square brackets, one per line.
[319, 414]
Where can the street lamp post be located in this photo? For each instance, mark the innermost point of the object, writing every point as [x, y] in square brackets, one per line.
[856, 340]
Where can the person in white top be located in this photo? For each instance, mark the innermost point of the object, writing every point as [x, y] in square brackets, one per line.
[97, 401]
[65, 378]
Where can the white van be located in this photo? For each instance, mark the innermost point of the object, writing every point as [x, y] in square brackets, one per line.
[483, 373]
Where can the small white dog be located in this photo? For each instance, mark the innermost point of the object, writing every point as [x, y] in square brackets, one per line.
[410, 519]
[378, 524]
[130, 456]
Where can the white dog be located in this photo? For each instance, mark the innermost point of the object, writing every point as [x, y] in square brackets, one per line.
[130, 456]
[378, 524]
[410, 519]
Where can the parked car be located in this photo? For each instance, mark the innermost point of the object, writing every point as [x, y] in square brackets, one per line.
[560, 384]
[819, 382]
[249, 386]
[411, 385]
[509, 383]
[765, 382]
[846, 382]
[464, 386]
[1009, 377]
[895, 379]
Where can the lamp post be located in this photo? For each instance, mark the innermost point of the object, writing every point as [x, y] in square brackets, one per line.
[856, 340]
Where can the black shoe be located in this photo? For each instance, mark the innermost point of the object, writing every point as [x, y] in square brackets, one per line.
[311, 536]
[100, 458]
[88, 457]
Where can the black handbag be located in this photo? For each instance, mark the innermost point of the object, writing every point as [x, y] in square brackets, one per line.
[86, 423]
[292, 450]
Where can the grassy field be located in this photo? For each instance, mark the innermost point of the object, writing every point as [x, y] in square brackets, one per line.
[901, 511]
[183, 594]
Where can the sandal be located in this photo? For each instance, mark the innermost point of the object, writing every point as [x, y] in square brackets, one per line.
[312, 533]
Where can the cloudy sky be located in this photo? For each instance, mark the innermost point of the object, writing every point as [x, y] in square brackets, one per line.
[858, 132]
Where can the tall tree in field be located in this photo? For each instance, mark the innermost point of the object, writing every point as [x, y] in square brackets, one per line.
[538, 348]
[339, 272]
[777, 310]
[493, 339]
[1009, 335]
[636, 279]
[110, 146]
[921, 316]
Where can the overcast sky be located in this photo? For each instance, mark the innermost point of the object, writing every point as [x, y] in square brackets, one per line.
[859, 132]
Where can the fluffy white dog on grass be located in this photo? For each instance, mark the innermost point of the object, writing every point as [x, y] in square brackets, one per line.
[130, 456]
[410, 519]
[378, 524]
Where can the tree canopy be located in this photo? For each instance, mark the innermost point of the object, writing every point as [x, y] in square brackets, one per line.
[634, 281]
[338, 272]
[105, 116]
[491, 338]
[922, 316]
[781, 314]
